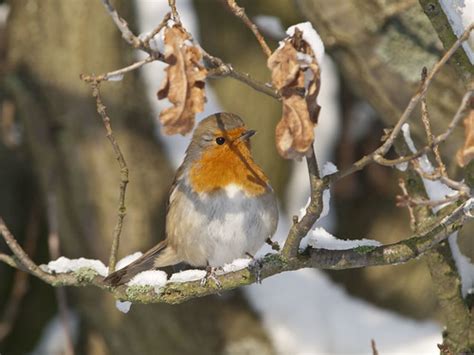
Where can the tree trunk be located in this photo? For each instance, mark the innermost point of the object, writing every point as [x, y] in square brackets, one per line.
[50, 43]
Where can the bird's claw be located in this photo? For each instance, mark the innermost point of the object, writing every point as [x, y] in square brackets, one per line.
[211, 275]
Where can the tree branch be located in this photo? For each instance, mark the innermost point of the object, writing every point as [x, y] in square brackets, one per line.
[102, 110]
[217, 65]
[313, 211]
[240, 13]
[451, 219]
[23, 258]
[379, 153]
[435, 231]
[443, 28]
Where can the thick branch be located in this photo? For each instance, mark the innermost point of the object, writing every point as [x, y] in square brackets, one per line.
[445, 33]
[434, 233]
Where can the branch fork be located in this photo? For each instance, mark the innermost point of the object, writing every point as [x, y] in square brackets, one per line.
[449, 219]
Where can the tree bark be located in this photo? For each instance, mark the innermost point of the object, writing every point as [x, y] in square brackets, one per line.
[50, 43]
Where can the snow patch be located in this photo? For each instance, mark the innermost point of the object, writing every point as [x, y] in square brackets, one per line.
[124, 306]
[320, 238]
[435, 190]
[460, 14]
[304, 60]
[116, 77]
[64, 265]
[328, 169]
[188, 275]
[463, 264]
[402, 166]
[155, 278]
[311, 37]
[236, 265]
[127, 260]
[309, 316]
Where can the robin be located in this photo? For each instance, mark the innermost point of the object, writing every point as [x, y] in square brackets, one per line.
[221, 205]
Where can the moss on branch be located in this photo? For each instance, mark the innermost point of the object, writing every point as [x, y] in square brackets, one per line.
[434, 231]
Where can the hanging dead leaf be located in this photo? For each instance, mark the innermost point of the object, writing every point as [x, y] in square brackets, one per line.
[184, 82]
[284, 65]
[466, 153]
[296, 74]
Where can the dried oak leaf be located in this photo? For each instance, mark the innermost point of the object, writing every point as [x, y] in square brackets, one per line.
[296, 74]
[466, 153]
[184, 82]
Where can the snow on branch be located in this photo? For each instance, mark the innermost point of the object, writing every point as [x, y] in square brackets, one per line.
[153, 287]
[323, 251]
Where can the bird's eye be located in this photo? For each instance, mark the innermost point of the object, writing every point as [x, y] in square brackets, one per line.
[220, 140]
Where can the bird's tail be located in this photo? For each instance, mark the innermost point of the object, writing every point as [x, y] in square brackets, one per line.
[145, 262]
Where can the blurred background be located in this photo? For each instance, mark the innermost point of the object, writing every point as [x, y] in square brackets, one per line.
[58, 175]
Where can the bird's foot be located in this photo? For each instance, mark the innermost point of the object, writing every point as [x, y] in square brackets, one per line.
[256, 267]
[211, 275]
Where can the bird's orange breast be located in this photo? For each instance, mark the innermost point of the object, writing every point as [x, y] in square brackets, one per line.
[221, 166]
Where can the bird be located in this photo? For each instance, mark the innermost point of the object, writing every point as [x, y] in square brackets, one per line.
[221, 205]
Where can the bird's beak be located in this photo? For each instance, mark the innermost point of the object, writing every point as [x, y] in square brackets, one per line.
[247, 134]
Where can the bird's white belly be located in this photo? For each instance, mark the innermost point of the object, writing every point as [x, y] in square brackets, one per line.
[224, 226]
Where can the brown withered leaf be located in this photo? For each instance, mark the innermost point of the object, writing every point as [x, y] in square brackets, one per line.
[466, 153]
[290, 64]
[184, 82]
[284, 65]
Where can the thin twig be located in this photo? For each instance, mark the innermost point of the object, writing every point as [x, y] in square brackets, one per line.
[10, 260]
[220, 69]
[102, 110]
[379, 153]
[299, 229]
[217, 68]
[116, 75]
[22, 256]
[129, 36]
[436, 176]
[240, 13]
[122, 25]
[136, 42]
[174, 11]
[147, 39]
[429, 134]
[409, 201]
[406, 196]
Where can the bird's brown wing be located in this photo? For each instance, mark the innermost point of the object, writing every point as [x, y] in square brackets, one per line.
[145, 262]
